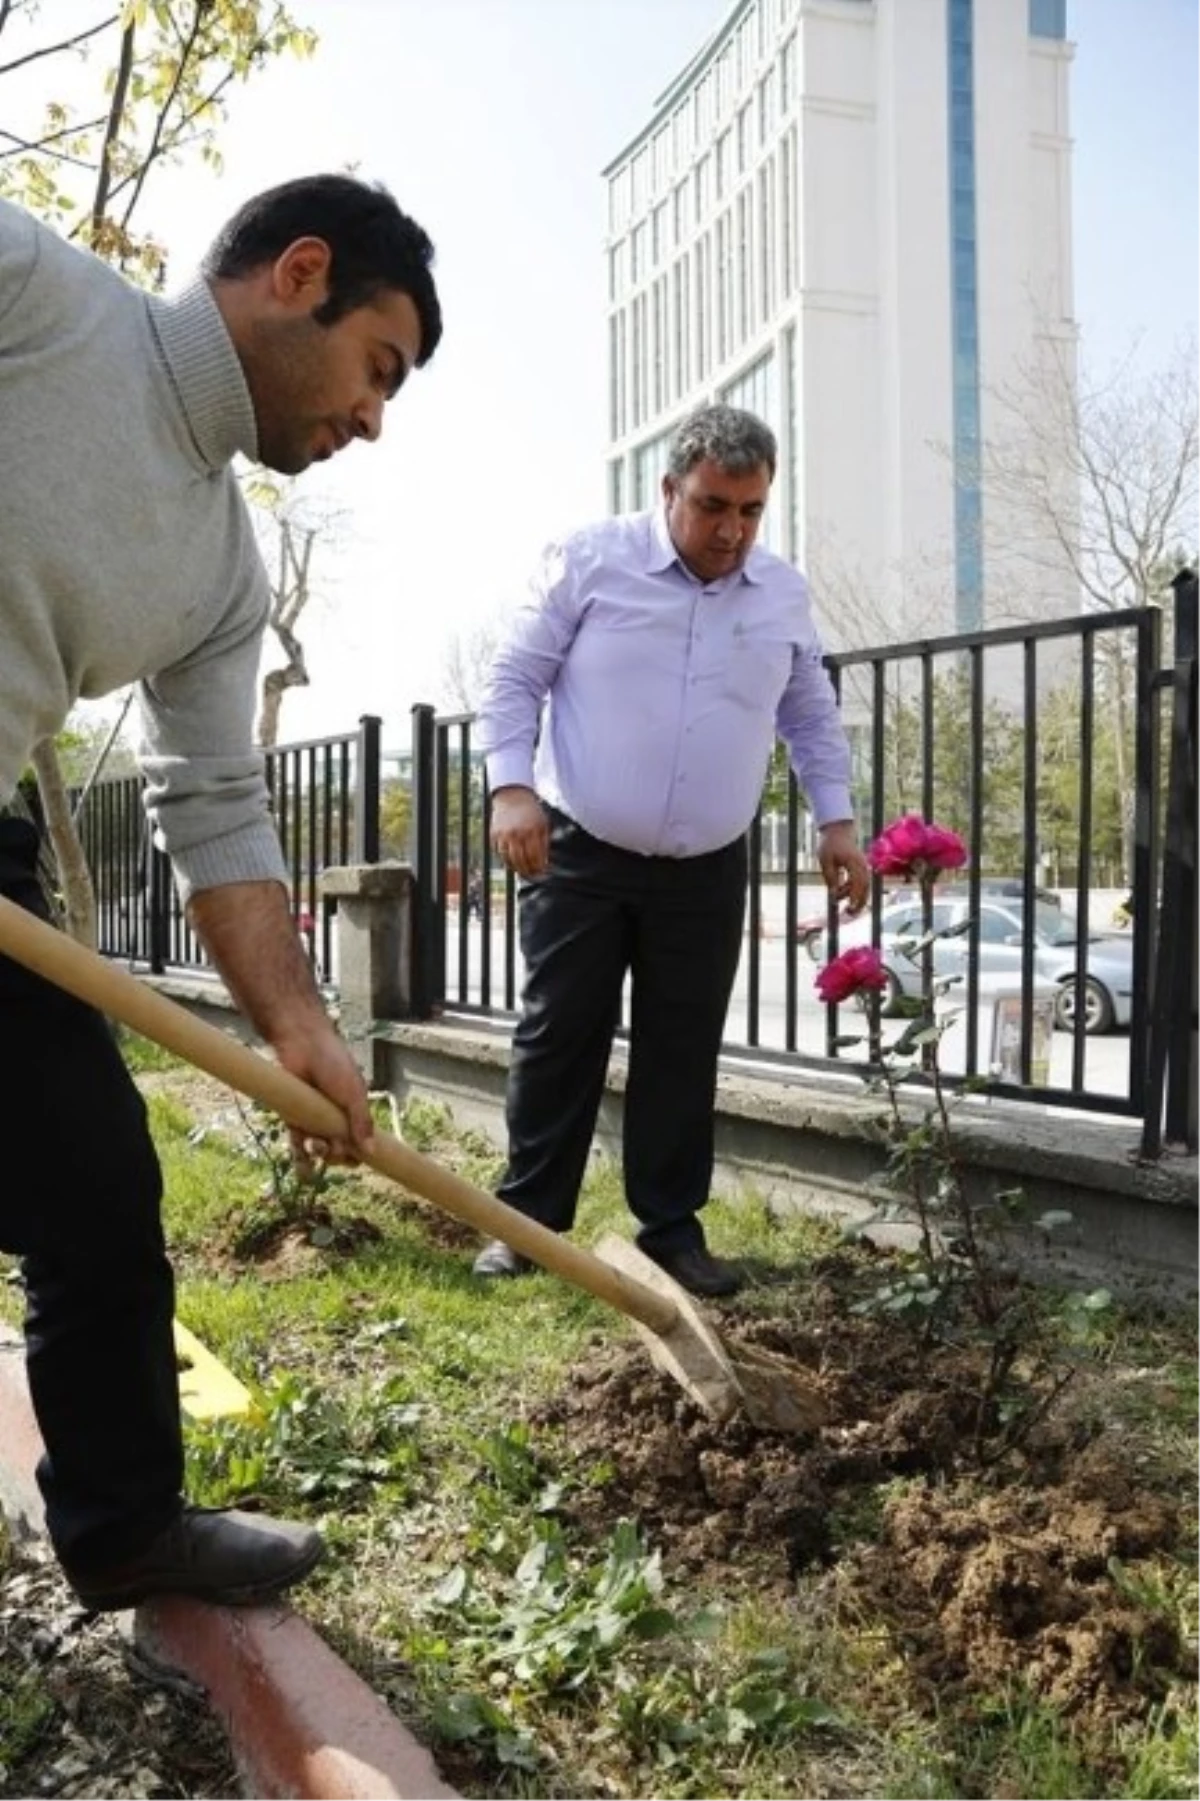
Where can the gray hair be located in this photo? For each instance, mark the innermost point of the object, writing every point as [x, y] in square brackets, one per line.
[736, 441]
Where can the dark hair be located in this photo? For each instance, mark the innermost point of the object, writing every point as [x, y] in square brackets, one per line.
[734, 440]
[374, 246]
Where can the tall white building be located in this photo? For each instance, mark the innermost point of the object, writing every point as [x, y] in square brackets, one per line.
[854, 218]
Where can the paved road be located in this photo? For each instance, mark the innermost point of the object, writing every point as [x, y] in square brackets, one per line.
[1106, 1065]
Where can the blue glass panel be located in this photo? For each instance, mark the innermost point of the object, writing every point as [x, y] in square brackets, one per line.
[968, 506]
[1048, 18]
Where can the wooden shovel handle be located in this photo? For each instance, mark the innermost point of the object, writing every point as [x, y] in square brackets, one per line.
[114, 991]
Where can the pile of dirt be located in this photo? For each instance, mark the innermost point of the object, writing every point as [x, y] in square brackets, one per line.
[980, 1577]
[1019, 1586]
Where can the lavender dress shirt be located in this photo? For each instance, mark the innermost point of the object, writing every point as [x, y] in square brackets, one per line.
[662, 694]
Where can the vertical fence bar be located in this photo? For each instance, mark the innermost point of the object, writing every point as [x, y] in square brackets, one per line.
[1029, 795]
[754, 941]
[791, 997]
[510, 940]
[485, 900]
[426, 921]
[366, 797]
[326, 856]
[1083, 860]
[975, 814]
[464, 860]
[1179, 871]
[1147, 779]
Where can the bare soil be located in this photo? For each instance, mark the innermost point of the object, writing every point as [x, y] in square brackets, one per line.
[99, 1728]
[980, 1575]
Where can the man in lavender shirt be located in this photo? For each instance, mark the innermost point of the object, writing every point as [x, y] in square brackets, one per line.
[627, 723]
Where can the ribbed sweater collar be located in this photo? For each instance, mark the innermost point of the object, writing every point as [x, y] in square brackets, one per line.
[207, 374]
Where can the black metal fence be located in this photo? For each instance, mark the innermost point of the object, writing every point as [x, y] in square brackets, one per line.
[325, 794]
[1043, 746]
[1063, 753]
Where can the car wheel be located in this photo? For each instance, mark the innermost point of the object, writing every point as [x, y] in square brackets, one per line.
[1098, 1011]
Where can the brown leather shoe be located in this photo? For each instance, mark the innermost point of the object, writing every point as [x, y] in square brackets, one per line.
[215, 1554]
[499, 1259]
[697, 1270]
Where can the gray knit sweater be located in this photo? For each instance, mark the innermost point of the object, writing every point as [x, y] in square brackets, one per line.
[126, 551]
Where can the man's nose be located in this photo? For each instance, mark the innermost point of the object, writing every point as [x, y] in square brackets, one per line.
[368, 418]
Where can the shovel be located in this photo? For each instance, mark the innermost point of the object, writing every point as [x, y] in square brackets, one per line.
[725, 1380]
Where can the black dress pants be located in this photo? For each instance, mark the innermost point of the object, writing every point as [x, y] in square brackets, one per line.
[674, 924]
[83, 1214]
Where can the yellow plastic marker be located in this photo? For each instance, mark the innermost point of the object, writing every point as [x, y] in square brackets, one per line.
[207, 1390]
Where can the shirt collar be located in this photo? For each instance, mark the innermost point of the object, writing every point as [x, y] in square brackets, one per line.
[207, 375]
[663, 553]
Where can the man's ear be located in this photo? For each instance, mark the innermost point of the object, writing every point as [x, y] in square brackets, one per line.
[668, 488]
[301, 273]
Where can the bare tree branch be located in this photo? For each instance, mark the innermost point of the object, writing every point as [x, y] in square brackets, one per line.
[155, 147]
[34, 56]
[116, 113]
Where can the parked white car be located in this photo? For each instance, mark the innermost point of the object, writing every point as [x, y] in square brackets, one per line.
[1108, 980]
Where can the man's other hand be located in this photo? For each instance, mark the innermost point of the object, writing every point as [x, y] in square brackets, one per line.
[520, 830]
[845, 869]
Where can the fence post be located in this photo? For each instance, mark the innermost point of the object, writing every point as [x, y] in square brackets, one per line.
[374, 927]
[366, 790]
[1172, 1059]
[425, 898]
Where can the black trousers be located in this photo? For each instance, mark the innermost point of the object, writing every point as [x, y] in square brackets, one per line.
[84, 1217]
[674, 924]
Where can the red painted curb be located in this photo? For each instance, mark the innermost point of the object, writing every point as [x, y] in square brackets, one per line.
[300, 1722]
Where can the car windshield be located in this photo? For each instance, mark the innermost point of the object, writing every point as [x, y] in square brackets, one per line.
[1052, 924]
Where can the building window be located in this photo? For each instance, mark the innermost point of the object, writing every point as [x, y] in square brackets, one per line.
[703, 304]
[787, 76]
[745, 263]
[616, 485]
[766, 240]
[722, 164]
[658, 233]
[637, 253]
[659, 340]
[678, 207]
[649, 467]
[787, 202]
[679, 320]
[757, 391]
[1048, 18]
[964, 319]
[724, 289]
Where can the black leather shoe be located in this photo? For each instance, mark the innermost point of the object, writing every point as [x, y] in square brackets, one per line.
[697, 1270]
[499, 1259]
[215, 1554]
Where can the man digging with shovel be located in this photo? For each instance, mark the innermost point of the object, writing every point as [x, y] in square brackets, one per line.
[129, 556]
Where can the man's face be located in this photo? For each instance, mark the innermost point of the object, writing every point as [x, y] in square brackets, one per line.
[317, 387]
[713, 517]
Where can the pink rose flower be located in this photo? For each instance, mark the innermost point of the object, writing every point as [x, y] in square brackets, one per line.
[910, 848]
[861, 967]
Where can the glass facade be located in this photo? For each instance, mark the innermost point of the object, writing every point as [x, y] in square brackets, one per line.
[1048, 18]
[964, 319]
[757, 391]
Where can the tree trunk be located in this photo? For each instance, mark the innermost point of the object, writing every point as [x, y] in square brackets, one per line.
[74, 876]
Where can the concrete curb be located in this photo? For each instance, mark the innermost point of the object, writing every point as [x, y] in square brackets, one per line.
[300, 1722]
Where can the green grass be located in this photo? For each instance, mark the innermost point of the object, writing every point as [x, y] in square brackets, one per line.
[392, 1401]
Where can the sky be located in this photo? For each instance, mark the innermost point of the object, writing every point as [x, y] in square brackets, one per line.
[490, 121]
